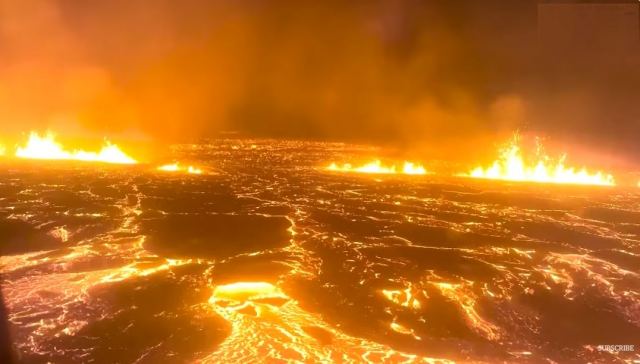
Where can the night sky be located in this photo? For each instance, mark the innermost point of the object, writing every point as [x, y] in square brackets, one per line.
[427, 75]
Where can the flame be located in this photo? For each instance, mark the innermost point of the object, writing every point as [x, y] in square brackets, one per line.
[176, 167]
[376, 167]
[3, 150]
[511, 166]
[46, 147]
[194, 170]
[169, 167]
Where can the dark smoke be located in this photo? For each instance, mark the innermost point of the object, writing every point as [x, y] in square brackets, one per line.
[419, 74]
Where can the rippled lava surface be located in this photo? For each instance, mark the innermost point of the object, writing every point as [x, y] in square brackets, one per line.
[270, 258]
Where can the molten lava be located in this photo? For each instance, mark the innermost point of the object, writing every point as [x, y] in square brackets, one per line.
[511, 166]
[175, 167]
[242, 291]
[376, 167]
[265, 322]
[46, 147]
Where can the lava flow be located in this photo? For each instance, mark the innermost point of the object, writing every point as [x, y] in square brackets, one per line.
[376, 167]
[512, 166]
[267, 323]
[289, 263]
[46, 147]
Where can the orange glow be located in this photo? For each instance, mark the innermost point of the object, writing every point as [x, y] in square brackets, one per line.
[194, 170]
[242, 291]
[3, 150]
[376, 167]
[176, 167]
[46, 147]
[511, 166]
[403, 298]
[464, 298]
[263, 317]
[403, 330]
[169, 167]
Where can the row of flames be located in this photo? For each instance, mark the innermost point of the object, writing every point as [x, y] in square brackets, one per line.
[378, 168]
[510, 165]
[47, 147]
[176, 167]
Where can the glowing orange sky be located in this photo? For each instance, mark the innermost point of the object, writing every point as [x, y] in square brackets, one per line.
[420, 75]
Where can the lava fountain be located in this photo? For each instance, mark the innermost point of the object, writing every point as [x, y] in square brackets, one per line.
[46, 147]
[512, 166]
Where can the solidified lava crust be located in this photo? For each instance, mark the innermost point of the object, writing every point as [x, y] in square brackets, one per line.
[271, 257]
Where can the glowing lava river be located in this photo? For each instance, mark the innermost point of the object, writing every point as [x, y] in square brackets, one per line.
[272, 258]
